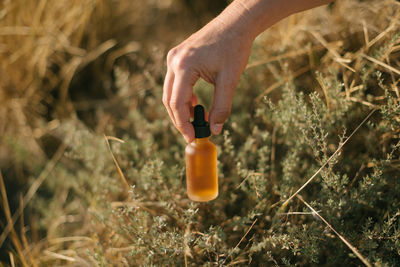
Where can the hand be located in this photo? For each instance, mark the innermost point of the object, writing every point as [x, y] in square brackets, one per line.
[217, 53]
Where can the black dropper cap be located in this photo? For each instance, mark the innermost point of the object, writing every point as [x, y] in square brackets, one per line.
[201, 126]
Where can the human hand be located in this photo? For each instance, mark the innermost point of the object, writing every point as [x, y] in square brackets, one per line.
[217, 53]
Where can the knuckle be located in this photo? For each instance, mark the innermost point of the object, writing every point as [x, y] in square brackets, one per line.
[171, 55]
[179, 62]
[220, 115]
[165, 101]
[174, 105]
[183, 127]
[181, 59]
[180, 124]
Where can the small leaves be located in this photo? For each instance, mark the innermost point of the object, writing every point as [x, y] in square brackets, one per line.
[268, 149]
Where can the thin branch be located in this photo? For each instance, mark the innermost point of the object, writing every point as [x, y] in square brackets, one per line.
[240, 241]
[32, 190]
[252, 174]
[290, 54]
[355, 251]
[59, 256]
[380, 63]
[296, 213]
[14, 238]
[336, 56]
[326, 163]
[282, 82]
[121, 174]
[237, 245]
[11, 259]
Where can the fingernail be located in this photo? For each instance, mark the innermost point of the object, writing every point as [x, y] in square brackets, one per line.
[216, 128]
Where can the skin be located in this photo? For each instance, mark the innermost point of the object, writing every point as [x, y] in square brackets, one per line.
[218, 53]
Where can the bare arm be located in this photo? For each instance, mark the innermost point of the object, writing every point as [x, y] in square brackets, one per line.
[218, 53]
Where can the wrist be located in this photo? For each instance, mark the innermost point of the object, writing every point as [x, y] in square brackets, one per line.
[239, 21]
[249, 18]
[252, 17]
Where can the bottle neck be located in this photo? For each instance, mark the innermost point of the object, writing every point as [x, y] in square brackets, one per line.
[200, 141]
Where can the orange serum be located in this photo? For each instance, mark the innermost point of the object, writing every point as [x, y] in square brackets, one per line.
[201, 161]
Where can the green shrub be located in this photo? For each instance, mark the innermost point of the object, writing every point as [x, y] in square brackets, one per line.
[285, 125]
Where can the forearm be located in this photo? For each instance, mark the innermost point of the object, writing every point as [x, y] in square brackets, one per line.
[252, 17]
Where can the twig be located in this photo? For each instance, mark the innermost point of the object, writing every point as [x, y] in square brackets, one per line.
[240, 241]
[23, 236]
[380, 63]
[185, 258]
[355, 251]
[366, 103]
[282, 82]
[237, 262]
[186, 248]
[14, 238]
[114, 138]
[295, 213]
[382, 34]
[366, 35]
[272, 157]
[330, 158]
[59, 256]
[325, 90]
[252, 174]
[118, 250]
[289, 54]
[32, 190]
[70, 239]
[79, 63]
[121, 174]
[357, 174]
[237, 245]
[11, 259]
[336, 56]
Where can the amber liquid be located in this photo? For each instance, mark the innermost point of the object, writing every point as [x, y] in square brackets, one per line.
[201, 170]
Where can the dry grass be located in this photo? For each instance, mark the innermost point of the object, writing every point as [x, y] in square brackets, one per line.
[45, 44]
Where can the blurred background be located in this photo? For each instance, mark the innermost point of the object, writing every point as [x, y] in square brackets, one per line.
[59, 62]
[92, 171]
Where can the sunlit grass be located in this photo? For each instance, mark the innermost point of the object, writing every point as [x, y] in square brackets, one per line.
[83, 129]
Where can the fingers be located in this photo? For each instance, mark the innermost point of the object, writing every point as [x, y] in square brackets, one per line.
[178, 92]
[180, 103]
[179, 100]
[221, 107]
[167, 90]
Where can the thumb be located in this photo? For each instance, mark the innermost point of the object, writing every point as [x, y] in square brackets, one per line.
[221, 107]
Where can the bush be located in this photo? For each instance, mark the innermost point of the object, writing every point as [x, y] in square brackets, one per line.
[311, 82]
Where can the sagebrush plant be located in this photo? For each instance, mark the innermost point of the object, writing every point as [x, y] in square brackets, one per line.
[311, 80]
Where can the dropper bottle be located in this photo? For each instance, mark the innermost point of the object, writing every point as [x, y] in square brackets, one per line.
[201, 161]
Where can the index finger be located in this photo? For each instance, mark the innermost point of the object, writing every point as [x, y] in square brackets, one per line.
[167, 90]
[180, 103]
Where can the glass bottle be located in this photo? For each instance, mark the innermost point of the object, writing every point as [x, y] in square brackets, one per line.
[201, 161]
